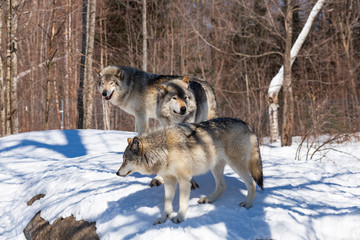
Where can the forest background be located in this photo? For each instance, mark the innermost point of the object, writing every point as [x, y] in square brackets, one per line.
[51, 49]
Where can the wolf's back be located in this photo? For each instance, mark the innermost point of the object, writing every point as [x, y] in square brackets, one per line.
[204, 94]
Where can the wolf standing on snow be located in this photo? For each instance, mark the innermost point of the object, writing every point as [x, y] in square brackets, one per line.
[136, 92]
[133, 91]
[179, 152]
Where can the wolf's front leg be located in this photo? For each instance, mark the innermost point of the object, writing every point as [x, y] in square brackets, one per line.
[169, 188]
[184, 195]
[141, 122]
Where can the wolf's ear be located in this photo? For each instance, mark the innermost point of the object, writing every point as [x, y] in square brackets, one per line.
[129, 140]
[120, 74]
[186, 80]
[138, 145]
[161, 88]
[97, 71]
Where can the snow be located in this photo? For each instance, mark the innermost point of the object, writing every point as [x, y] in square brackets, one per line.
[76, 170]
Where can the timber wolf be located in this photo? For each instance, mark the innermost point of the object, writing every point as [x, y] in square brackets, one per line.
[182, 100]
[179, 152]
[135, 92]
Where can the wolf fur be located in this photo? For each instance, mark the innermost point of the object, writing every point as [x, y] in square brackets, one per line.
[179, 152]
[182, 100]
[135, 92]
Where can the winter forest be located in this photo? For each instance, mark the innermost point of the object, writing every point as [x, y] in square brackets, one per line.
[51, 51]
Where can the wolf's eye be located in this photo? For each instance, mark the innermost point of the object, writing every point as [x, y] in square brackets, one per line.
[174, 98]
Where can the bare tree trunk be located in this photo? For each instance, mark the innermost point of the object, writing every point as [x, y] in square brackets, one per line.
[145, 37]
[80, 104]
[51, 55]
[67, 81]
[2, 83]
[346, 38]
[288, 112]
[105, 104]
[12, 121]
[277, 81]
[88, 64]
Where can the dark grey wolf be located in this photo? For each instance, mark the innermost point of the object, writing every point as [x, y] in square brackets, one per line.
[185, 100]
[179, 152]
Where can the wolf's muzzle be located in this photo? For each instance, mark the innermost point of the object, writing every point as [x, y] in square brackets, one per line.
[182, 110]
[104, 93]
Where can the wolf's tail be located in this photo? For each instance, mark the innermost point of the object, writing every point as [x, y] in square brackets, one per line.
[256, 162]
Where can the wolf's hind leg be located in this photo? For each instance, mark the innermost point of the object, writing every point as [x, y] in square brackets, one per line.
[141, 122]
[218, 173]
[250, 185]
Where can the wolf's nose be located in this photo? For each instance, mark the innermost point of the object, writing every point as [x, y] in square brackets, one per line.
[117, 173]
[104, 94]
[182, 110]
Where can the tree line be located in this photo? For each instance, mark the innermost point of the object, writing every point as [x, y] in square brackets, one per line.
[52, 49]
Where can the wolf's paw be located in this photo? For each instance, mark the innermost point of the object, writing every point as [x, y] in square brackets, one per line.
[245, 205]
[204, 200]
[155, 182]
[194, 184]
[178, 219]
[160, 220]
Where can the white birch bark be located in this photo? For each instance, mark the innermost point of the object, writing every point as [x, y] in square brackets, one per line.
[277, 82]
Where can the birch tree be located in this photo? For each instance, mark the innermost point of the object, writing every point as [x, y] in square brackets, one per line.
[288, 112]
[277, 82]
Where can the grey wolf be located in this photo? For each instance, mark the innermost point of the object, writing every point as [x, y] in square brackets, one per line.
[182, 100]
[133, 91]
[179, 152]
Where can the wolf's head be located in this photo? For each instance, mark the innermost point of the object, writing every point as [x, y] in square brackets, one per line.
[111, 81]
[132, 157]
[175, 101]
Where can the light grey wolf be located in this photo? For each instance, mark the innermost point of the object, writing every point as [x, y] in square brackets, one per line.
[182, 100]
[179, 152]
[133, 91]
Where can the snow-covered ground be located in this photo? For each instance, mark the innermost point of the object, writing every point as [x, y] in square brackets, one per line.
[76, 170]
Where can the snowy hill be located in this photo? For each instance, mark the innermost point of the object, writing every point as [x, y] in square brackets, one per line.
[76, 170]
